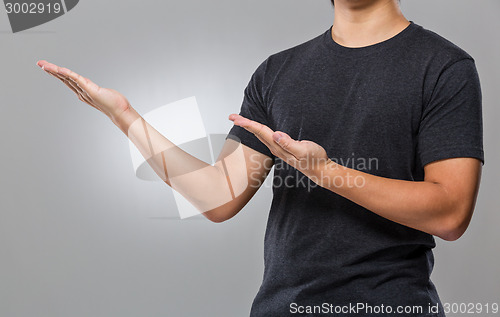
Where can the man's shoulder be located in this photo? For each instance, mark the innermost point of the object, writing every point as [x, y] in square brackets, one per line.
[294, 53]
[298, 48]
[436, 47]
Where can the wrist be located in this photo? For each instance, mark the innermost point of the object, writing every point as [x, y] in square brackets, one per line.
[323, 171]
[125, 119]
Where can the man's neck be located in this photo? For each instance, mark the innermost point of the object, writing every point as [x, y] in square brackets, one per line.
[360, 23]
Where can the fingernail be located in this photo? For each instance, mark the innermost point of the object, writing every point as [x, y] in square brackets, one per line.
[43, 67]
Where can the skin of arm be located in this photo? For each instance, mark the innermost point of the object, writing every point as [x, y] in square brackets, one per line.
[441, 205]
[218, 191]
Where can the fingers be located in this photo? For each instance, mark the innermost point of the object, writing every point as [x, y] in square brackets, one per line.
[287, 148]
[260, 130]
[80, 81]
[294, 147]
[82, 95]
[84, 83]
[78, 84]
[47, 66]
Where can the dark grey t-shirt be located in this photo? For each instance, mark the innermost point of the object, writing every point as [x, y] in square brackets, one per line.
[387, 109]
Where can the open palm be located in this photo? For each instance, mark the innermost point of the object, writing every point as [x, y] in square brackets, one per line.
[108, 101]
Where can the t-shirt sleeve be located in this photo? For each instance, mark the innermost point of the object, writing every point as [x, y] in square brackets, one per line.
[451, 124]
[253, 108]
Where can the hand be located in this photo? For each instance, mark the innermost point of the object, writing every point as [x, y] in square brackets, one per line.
[108, 101]
[308, 157]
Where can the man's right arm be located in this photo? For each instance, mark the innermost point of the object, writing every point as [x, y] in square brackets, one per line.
[218, 191]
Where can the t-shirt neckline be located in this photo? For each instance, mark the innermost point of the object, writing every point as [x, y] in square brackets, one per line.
[365, 50]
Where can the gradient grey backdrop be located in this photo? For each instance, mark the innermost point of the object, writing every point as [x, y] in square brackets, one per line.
[80, 235]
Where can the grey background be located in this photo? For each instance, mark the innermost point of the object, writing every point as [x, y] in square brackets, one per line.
[81, 236]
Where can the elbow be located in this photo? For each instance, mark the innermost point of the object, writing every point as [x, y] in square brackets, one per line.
[218, 216]
[216, 219]
[451, 234]
[454, 225]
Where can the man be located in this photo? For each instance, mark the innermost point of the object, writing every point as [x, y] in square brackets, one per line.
[375, 132]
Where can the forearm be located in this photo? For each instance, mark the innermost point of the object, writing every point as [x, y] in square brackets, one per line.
[424, 205]
[203, 185]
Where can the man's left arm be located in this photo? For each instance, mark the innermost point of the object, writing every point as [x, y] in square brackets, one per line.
[441, 205]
